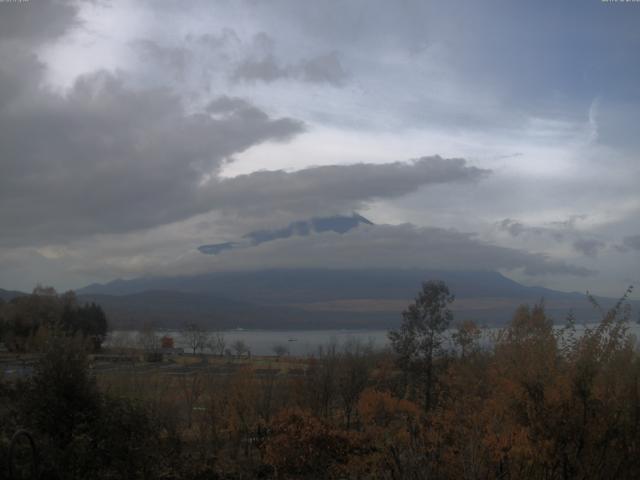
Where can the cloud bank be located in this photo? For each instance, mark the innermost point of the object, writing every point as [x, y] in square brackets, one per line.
[384, 246]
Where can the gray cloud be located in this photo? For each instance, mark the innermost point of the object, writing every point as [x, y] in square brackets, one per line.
[175, 59]
[321, 69]
[588, 246]
[557, 230]
[226, 104]
[106, 158]
[36, 21]
[569, 223]
[20, 71]
[513, 227]
[247, 61]
[24, 26]
[265, 69]
[214, 41]
[560, 231]
[324, 69]
[386, 246]
[632, 242]
[168, 252]
[337, 188]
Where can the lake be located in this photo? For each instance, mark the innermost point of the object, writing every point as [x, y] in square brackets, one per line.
[297, 342]
[306, 342]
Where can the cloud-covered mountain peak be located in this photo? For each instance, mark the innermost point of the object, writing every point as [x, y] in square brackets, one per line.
[301, 228]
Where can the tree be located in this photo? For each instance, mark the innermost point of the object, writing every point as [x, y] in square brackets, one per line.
[321, 380]
[62, 394]
[195, 337]
[217, 343]
[121, 341]
[150, 342]
[80, 431]
[353, 375]
[192, 387]
[303, 446]
[280, 350]
[28, 319]
[91, 321]
[466, 337]
[419, 338]
[240, 347]
[26, 314]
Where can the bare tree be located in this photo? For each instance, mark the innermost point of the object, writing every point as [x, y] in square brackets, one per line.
[120, 341]
[240, 347]
[353, 374]
[192, 386]
[280, 350]
[195, 337]
[149, 340]
[217, 343]
[321, 379]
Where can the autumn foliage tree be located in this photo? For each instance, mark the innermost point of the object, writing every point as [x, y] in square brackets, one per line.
[305, 447]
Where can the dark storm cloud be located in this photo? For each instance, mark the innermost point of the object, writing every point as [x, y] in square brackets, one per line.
[395, 246]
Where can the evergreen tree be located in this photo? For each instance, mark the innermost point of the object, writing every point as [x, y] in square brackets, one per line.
[419, 338]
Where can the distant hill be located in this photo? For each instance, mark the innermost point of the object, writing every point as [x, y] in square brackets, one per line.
[302, 228]
[279, 286]
[316, 298]
[172, 309]
[7, 295]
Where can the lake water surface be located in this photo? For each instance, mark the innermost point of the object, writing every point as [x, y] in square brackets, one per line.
[306, 342]
[297, 342]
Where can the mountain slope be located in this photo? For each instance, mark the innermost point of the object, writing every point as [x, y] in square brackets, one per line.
[7, 295]
[316, 298]
[311, 285]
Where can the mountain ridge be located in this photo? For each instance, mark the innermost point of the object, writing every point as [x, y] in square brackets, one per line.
[326, 298]
[317, 298]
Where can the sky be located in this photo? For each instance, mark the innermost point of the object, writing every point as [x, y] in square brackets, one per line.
[475, 135]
